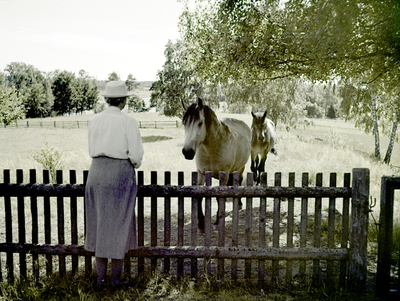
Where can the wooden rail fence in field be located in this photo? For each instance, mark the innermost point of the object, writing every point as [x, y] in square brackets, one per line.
[69, 124]
[291, 234]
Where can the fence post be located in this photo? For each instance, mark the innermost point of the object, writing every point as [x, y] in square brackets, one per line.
[385, 236]
[359, 230]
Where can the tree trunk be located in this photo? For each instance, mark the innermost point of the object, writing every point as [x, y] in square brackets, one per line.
[376, 129]
[392, 138]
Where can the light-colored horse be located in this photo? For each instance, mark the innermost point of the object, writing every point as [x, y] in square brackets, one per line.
[218, 145]
[262, 142]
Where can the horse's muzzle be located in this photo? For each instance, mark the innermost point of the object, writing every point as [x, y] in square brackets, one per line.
[188, 153]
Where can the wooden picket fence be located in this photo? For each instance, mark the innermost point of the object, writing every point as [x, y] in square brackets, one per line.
[273, 239]
[72, 124]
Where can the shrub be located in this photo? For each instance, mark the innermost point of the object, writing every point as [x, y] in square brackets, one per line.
[50, 158]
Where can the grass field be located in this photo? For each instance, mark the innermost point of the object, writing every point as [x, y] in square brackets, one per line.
[326, 146]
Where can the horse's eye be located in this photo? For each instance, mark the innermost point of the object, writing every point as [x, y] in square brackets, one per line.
[200, 124]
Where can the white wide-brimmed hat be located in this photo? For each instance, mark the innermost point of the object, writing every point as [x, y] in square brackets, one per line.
[116, 89]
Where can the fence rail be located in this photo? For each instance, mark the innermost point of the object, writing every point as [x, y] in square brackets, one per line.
[274, 226]
[70, 124]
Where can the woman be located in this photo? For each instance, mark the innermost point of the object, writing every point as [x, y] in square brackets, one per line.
[116, 147]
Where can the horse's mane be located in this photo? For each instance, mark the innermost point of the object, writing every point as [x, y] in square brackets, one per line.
[193, 113]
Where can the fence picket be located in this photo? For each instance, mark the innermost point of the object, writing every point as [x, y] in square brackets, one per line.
[74, 221]
[235, 226]
[47, 224]
[207, 221]
[261, 229]
[276, 227]
[60, 224]
[290, 230]
[193, 232]
[331, 228]
[9, 235]
[317, 231]
[167, 222]
[345, 231]
[181, 223]
[35, 225]
[21, 226]
[303, 228]
[221, 225]
[248, 225]
[153, 222]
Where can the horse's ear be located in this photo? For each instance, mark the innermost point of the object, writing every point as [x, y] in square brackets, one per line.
[252, 114]
[265, 115]
[200, 103]
[184, 105]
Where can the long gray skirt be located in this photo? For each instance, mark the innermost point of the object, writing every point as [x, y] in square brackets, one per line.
[110, 208]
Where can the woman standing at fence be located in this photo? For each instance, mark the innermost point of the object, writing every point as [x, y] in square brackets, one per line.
[116, 147]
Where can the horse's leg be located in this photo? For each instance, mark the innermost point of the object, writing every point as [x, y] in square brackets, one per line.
[253, 166]
[261, 166]
[200, 215]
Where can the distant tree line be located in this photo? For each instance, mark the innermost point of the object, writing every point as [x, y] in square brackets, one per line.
[28, 92]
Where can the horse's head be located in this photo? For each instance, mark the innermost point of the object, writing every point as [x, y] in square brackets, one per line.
[259, 127]
[195, 130]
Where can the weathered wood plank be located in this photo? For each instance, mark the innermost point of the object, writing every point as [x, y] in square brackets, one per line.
[290, 230]
[153, 220]
[331, 229]
[276, 227]
[9, 236]
[317, 231]
[359, 230]
[261, 229]
[345, 231]
[35, 225]
[235, 227]
[47, 224]
[248, 224]
[21, 226]
[181, 221]
[74, 221]
[303, 228]
[68, 190]
[385, 237]
[221, 225]
[193, 234]
[207, 221]
[60, 224]
[167, 222]
[267, 253]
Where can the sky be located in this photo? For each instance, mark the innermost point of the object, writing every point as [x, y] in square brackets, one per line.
[98, 36]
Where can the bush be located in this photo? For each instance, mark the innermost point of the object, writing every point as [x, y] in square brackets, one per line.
[50, 158]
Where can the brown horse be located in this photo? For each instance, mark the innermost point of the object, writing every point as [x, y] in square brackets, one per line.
[218, 145]
[262, 142]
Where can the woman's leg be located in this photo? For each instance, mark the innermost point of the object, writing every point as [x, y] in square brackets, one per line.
[116, 271]
[101, 265]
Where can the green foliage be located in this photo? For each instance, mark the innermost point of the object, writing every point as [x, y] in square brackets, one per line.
[10, 106]
[175, 83]
[63, 91]
[38, 102]
[51, 159]
[113, 76]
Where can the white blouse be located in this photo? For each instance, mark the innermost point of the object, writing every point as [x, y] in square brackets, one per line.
[116, 135]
